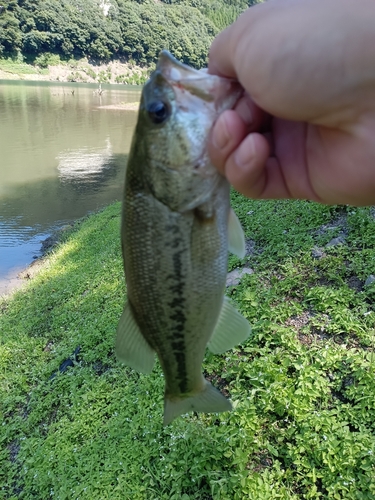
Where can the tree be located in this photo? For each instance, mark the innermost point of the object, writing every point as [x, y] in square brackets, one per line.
[136, 29]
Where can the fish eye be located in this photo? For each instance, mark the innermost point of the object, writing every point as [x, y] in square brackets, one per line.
[158, 111]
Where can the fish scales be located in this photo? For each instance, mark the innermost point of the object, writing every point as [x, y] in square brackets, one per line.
[175, 238]
[174, 271]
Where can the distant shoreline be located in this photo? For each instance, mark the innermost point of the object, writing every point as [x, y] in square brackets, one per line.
[126, 106]
[80, 71]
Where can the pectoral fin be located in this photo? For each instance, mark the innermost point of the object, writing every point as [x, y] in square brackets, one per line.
[231, 329]
[131, 347]
[236, 237]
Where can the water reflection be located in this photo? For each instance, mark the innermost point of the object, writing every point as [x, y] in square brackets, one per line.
[61, 156]
[85, 164]
[30, 212]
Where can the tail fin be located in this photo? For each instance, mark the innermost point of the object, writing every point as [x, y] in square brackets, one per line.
[209, 400]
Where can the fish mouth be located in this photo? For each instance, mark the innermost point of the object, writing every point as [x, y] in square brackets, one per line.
[174, 70]
[199, 82]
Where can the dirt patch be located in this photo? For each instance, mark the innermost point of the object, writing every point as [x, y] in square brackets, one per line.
[218, 382]
[252, 248]
[32, 270]
[13, 448]
[300, 321]
[355, 283]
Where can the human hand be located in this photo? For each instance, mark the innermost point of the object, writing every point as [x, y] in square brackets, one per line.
[306, 128]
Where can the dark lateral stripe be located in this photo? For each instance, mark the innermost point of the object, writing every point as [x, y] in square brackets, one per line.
[179, 349]
[177, 302]
[178, 317]
[179, 354]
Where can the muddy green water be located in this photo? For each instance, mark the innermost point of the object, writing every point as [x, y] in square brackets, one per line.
[63, 151]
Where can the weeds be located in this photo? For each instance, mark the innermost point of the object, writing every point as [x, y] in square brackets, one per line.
[134, 77]
[47, 59]
[302, 386]
[18, 67]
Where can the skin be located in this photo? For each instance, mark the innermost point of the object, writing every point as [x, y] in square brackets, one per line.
[305, 128]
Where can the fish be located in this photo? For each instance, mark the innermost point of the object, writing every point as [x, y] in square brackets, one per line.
[177, 227]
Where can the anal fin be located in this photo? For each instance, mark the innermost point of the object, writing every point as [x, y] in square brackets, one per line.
[131, 347]
[231, 329]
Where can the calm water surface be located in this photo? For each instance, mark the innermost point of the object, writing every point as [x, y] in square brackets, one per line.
[62, 155]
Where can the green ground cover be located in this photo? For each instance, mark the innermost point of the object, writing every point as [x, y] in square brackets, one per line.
[13, 66]
[303, 425]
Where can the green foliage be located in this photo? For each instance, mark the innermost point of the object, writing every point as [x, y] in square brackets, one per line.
[90, 72]
[132, 29]
[134, 78]
[47, 59]
[302, 386]
[223, 14]
[15, 65]
[76, 76]
[10, 33]
[104, 76]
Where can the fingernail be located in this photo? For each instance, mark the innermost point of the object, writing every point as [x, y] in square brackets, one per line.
[245, 153]
[220, 136]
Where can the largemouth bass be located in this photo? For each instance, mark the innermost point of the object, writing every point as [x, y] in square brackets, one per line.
[177, 227]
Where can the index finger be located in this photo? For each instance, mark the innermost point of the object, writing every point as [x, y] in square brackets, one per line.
[220, 58]
[226, 53]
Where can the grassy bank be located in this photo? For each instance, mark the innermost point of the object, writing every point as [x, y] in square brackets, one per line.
[49, 67]
[302, 386]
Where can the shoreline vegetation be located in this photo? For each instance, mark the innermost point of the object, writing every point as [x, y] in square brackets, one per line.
[77, 424]
[78, 71]
[47, 32]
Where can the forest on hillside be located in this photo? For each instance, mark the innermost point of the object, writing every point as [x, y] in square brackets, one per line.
[102, 30]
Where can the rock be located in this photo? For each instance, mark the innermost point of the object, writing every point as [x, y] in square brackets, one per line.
[370, 280]
[48, 243]
[54, 238]
[317, 253]
[234, 277]
[339, 240]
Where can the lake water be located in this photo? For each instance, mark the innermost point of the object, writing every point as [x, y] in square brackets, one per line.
[62, 155]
